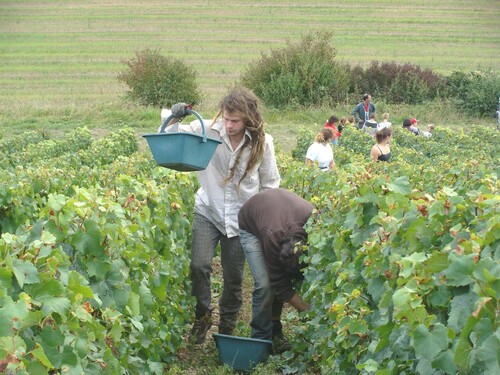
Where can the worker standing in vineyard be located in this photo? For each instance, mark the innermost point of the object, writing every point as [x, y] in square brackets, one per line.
[363, 110]
[272, 235]
[242, 164]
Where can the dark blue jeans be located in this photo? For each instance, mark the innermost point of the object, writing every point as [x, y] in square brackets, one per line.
[264, 305]
[206, 236]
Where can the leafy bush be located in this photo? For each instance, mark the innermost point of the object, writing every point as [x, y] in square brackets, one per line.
[305, 137]
[300, 74]
[403, 269]
[403, 274]
[476, 92]
[11, 147]
[397, 83]
[93, 257]
[157, 80]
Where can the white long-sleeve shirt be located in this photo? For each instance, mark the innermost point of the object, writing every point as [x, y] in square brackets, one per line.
[218, 201]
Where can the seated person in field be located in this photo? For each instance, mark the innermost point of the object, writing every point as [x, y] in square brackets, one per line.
[371, 125]
[351, 121]
[385, 122]
[428, 131]
[408, 125]
[342, 124]
[320, 151]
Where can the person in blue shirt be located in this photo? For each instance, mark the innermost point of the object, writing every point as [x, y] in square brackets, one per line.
[363, 110]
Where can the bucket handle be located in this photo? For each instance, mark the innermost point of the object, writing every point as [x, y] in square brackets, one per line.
[188, 112]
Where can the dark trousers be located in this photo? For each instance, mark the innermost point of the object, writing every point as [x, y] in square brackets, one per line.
[206, 236]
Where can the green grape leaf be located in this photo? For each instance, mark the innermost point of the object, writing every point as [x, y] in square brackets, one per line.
[146, 296]
[489, 353]
[464, 347]
[46, 288]
[402, 297]
[377, 287]
[11, 313]
[436, 263]
[400, 185]
[59, 305]
[52, 337]
[98, 268]
[461, 308]
[134, 303]
[90, 241]
[444, 362]
[418, 233]
[76, 285]
[56, 201]
[36, 368]
[69, 357]
[357, 327]
[25, 272]
[460, 270]
[39, 354]
[429, 344]
[488, 271]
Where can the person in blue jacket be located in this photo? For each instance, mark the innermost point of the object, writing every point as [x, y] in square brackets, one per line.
[363, 110]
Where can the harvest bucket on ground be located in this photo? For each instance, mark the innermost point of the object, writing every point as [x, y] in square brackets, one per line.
[180, 150]
[242, 353]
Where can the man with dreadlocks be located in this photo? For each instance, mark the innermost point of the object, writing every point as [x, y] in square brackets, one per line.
[242, 165]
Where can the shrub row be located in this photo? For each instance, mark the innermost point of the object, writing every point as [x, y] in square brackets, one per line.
[306, 73]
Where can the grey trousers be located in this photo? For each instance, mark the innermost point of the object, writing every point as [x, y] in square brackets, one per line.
[206, 236]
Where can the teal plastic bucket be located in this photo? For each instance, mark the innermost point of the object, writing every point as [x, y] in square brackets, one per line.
[242, 353]
[182, 151]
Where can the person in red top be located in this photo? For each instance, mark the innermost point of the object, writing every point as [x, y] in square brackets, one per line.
[331, 124]
[272, 235]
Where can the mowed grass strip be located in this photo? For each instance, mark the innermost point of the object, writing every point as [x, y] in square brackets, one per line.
[67, 51]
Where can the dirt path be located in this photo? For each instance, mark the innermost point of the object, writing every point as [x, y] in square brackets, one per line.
[203, 359]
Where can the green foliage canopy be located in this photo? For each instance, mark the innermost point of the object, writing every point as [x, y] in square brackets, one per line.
[476, 92]
[403, 271]
[157, 80]
[301, 74]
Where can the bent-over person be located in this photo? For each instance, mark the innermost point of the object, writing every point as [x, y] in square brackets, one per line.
[272, 235]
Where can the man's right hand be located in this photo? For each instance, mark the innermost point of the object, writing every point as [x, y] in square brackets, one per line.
[179, 110]
[297, 302]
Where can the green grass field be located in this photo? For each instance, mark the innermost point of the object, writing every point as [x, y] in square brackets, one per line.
[64, 54]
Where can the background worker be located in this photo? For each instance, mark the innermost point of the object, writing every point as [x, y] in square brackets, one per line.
[320, 151]
[363, 110]
[381, 151]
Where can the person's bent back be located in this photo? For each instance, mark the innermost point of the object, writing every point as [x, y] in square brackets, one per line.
[272, 236]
